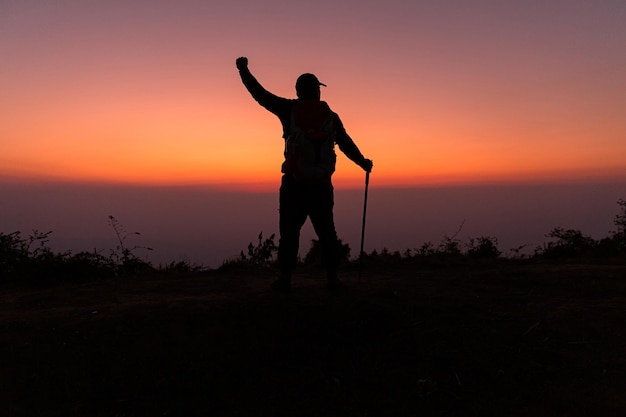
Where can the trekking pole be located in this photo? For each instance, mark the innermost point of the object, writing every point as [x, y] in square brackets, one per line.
[367, 182]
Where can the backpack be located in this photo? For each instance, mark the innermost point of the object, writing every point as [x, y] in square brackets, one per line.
[310, 155]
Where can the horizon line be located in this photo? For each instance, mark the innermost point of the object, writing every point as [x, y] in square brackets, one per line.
[272, 186]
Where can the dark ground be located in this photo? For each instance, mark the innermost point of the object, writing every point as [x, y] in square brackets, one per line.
[498, 340]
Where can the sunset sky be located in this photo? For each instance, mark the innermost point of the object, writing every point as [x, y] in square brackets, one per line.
[446, 92]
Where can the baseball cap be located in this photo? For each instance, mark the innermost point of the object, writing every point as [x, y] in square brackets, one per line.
[306, 81]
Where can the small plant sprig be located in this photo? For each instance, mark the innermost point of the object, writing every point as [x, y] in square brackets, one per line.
[123, 255]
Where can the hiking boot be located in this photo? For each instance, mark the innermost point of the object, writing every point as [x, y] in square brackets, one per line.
[282, 284]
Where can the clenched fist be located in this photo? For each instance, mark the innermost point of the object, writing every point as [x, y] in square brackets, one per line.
[242, 63]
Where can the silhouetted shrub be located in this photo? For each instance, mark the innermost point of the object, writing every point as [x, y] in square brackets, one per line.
[385, 257]
[449, 246]
[516, 253]
[427, 249]
[263, 254]
[569, 243]
[24, 256]
[314, 255]
[88, 263]
[181, 268]
[32, 259]
[12, 252]
[483, 248]
[619, 236]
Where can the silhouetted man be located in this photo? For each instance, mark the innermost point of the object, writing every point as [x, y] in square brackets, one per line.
[306, 189]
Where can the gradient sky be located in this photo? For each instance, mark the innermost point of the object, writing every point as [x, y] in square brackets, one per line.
[452, 91]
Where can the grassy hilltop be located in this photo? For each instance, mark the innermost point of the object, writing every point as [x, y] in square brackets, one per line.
[515, 339]
[441, 330]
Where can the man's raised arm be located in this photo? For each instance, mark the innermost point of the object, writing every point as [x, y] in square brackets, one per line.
[270, 101]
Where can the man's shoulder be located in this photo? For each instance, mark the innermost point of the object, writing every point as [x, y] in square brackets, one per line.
[318, 107]
[327, 107]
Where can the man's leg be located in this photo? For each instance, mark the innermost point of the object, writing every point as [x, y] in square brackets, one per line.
[321, 214]
[292, 215]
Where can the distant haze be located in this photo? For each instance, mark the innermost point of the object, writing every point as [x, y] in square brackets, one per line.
[205, 226]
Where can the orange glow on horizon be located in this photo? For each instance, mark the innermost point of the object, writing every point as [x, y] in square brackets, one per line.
[216, 148]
